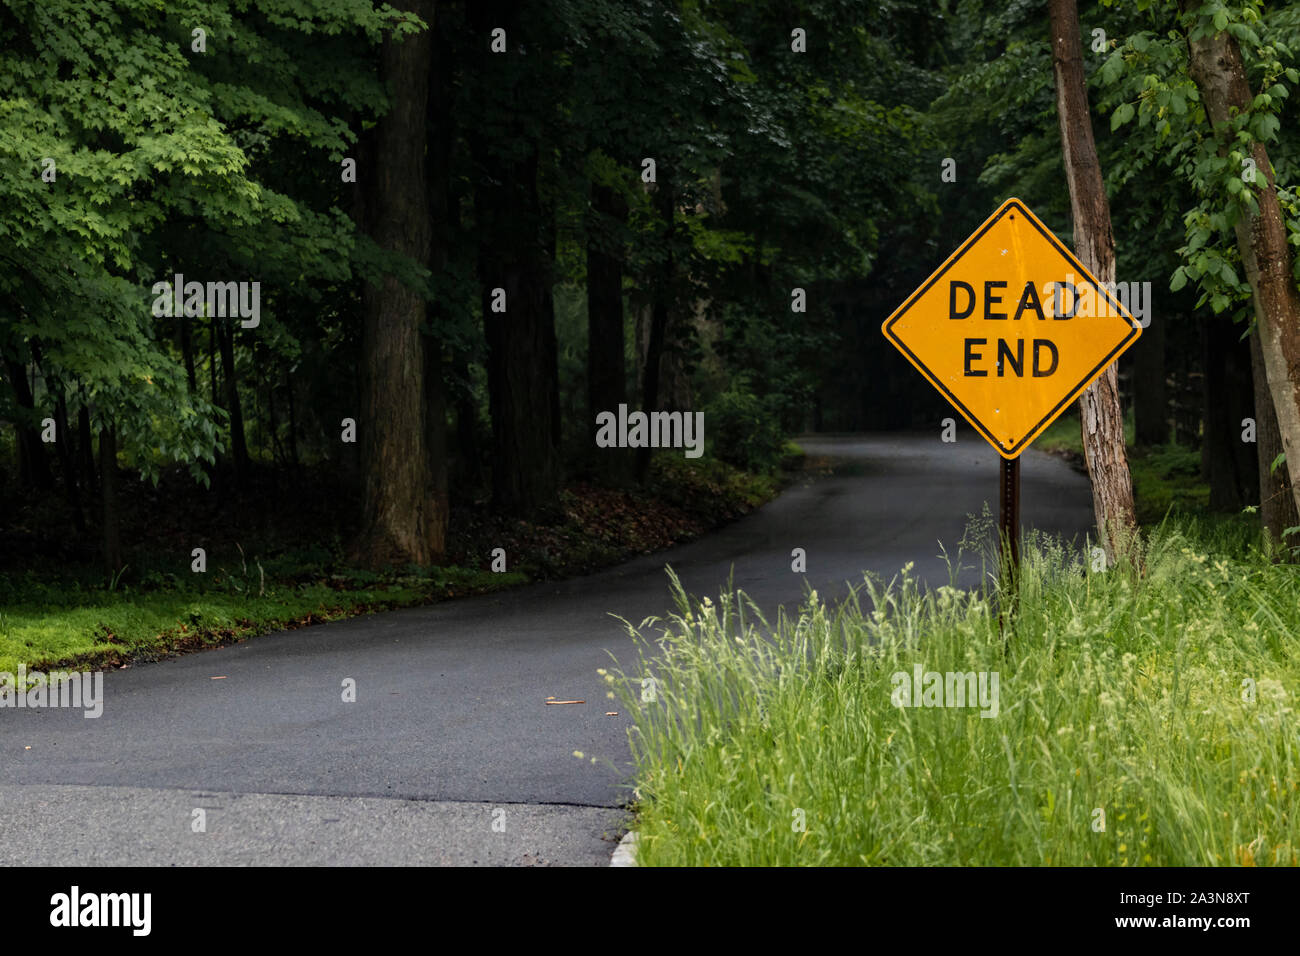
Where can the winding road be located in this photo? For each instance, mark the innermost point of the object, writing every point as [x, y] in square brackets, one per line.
[449, 754]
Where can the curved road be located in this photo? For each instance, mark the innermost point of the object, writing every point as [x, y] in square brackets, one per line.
[449, 754]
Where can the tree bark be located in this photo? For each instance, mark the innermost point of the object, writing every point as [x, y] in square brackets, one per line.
[66, 451]
[112, 542]
[606, 343]
[33, 466]
[441, 137]
[293, 418]
[445, 195]
[1101, 417]
[523, 356]
[187, 350]
[212, 362]
[659, 316]
[402, 520]
[514, 255]
[1277, 508]
[1217, 68]
[86, 451]
[238, 444]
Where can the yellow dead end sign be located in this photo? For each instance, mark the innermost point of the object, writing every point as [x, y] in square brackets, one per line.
[1012, 328]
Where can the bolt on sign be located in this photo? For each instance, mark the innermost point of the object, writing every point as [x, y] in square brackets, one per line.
[1012, 328]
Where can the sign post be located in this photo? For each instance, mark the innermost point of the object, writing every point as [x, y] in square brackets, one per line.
[1011, 329]
[1009, 527]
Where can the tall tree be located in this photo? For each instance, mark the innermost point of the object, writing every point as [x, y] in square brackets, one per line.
[404, 518]
[225, 332]
[513, 89]
[659, 312]
[1277, 507]
[606, 375]
[1215, 63]
[1100, 414]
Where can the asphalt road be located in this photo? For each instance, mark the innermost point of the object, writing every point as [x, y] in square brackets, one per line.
[449, 753]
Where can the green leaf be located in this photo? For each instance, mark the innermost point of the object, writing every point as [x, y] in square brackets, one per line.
[1123, 113]
[1112, 69]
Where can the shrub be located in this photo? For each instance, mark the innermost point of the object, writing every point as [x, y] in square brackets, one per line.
[745, 431]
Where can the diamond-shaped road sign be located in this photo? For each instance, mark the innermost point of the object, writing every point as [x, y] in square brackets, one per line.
[1012, 328]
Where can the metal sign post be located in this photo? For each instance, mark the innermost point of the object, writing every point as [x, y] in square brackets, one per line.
[1009, 534]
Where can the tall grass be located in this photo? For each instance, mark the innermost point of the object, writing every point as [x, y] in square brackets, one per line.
[1156, 703]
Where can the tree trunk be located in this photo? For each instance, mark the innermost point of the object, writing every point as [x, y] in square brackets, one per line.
[441, 137]
[522, 362]
[435, 437]
[659, 316]
[187, 350]
[470, 475]
[606, 376]
[1100, 415]
[516, 237]
[402, 521]
[1216, 66]
[273, 423]
[238, 446]
[1150, 401]
[108, 496]
[676, 392]
[1227, 462]
[293, 418]
[33, 466]
[86, 451]
[68, 460]
[212, 361]
[1277, 507]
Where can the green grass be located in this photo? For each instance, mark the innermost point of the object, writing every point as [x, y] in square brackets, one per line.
[64, 623]
[72, 615]
[1165, 477]
[1120, 692]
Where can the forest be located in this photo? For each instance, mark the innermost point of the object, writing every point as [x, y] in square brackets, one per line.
[342, 287]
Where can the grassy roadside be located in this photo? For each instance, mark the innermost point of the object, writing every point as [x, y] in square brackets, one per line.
[74, 618]
[1158, 706]
[1165, 478]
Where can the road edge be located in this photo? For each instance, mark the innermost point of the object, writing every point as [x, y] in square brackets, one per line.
[625, 852]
